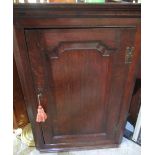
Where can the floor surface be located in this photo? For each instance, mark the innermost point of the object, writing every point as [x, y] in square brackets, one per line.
[127, 147]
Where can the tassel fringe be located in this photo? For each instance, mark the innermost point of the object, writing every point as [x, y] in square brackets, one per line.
[41, 115]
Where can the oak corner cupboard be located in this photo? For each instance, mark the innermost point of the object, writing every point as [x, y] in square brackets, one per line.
[79, 61]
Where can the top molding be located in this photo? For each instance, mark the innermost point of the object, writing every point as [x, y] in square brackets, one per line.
[77, 10]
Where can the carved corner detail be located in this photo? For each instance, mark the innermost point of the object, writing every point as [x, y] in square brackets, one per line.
[89, 45]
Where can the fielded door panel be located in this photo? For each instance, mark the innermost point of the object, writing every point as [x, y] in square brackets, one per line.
[81, 74]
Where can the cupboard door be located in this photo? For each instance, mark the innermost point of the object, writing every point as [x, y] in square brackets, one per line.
[81, 74]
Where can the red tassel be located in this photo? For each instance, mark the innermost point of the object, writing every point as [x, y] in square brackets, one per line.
[41, 115]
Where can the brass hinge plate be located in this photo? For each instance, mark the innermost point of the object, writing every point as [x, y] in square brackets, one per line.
[129, 55]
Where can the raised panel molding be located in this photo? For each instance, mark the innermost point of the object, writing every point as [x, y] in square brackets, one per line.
[89, 45]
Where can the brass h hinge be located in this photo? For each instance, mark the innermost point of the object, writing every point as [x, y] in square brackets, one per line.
[129, 54]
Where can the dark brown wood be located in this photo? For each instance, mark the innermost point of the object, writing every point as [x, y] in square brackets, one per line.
[74, 55]
[136, 100]
[135, 103]
[19, 107]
